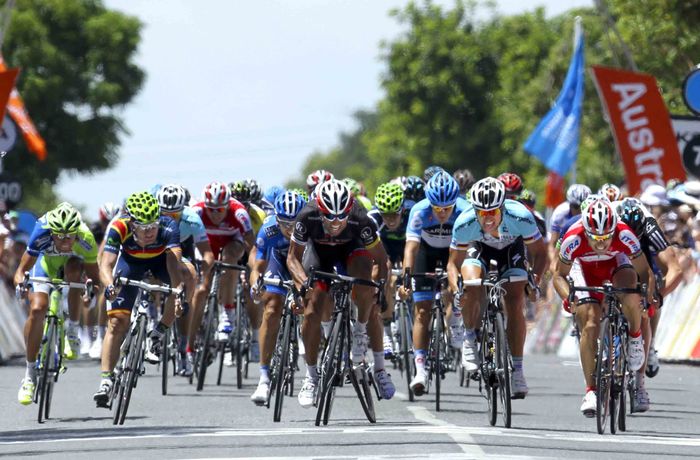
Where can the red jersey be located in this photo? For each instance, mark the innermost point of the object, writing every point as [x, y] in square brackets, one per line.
[232, 227]
[575, 245]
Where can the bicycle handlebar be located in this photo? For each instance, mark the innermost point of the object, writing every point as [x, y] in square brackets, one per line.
[606, 288]
[122, 281]
[86, 286]
[218, 263]
[486, 282]
[315, 275]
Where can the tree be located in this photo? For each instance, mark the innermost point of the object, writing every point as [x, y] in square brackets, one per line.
[77, 73]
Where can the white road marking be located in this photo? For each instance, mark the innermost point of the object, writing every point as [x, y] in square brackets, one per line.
[465, 442]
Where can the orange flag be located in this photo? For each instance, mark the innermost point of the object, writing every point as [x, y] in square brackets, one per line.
[35, 143]
[7, 83]
[554, 191]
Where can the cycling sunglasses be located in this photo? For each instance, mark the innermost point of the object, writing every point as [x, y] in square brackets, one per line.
[217, 209]
[145, 227]
[489, 213]
[64, 236]
[443, 208]
[335, 217]
[600, 237]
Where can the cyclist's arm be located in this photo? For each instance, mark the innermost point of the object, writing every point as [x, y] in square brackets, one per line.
[92, 271]
[674, 274]
[25, 264]
[454, 264]
[173, 259]
[539, 252]
[258, 267]
[561, 271]
[294, 265]
[249, 239]
[107, 263]
[207, 258]
[378, 253]
[409, 254]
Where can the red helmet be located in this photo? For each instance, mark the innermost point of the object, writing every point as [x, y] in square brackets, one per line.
[318, 177]
[334, 199]
[612, 191]
[216, 195]
[512, 182]
[599, 218]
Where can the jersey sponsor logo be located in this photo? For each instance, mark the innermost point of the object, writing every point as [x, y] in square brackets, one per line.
[300, 228]
[366, 233]
[87, 246]
[416, 223]
[569, 246]
[628, 239]
[39, 242]
[260, 242]
[271, 231]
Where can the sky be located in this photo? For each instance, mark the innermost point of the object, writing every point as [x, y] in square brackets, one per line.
[238, 89]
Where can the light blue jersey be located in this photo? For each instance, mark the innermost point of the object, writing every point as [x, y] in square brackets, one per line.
[191, 225]
[517, 222]
[423, 225]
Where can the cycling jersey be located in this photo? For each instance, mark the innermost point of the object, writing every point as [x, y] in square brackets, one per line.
[424, 225]
[575, 245]
[273, 247]
[257, 216]
[233, 227]
[360, 228]
[560, 215]
[516, 222]
[120, 236]
[366, 202]
[191, 226]
[394, 240]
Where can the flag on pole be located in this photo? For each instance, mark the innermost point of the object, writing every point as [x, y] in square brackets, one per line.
[555, 140]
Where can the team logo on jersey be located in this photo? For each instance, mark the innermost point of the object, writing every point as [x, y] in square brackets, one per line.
[569, 246]
[630, 240]
[260, 242]
[366, 233]
[87, 246]
[416, 223]
[300, 228]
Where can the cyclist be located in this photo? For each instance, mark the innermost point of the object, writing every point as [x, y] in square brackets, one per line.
[268, 201]
[497, 229]
[172, 201]
[430, 171]
[315, 178]
[270, 261]
[465, 179]
[607, 250]
[659, 254]
[575, 195]
[513, 185]
[244, 191]
[230, 233]
[611, 191]
[333, 230]
[356, 191]
[61, 246]
[142, 240]
[428, 236]
[413, 192]
[391, 219]
[529, 199]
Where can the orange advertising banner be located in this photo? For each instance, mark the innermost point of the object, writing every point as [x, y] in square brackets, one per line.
[7, 84]
[554, 190]
[641, 127]
[35, 143]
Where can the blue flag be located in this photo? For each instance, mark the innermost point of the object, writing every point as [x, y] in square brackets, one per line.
[555, 140]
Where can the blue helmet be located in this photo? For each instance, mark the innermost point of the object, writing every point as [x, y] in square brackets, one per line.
[272, 193]
[430, 171]
[288, 205]
[442, 189]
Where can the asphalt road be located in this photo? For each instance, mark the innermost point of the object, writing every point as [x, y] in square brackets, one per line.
[221, 422]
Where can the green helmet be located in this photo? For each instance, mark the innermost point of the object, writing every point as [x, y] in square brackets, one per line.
[389, 197]
[301, 192]
[142, 207]
[352, 185]
[63, 219]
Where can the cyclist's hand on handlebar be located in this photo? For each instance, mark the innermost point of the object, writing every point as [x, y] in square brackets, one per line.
[404, 292]
[179, 301]
[21, 291]
[111, 292]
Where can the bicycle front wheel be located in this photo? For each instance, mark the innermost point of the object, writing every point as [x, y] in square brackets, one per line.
[488, 370]
[238, 345]
[408, 364]
[207, 339]
[503, 370]
[134, 362]
[603, 373]
[330, 370]
[46, 357]
[165, 360]
[436, 356]
[282, 370]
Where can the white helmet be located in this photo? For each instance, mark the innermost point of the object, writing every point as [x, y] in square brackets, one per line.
[171, 198]
[318, 177]
[576, 193]
[487, 194]
[599, 218]
[334, 198]
[216, 195]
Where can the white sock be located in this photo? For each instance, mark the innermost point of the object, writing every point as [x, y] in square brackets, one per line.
[378, 360]
[30, 373]
[326, 326]
[360, 328]
[312, 373]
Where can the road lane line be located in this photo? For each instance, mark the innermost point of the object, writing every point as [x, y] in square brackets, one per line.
[465, 442]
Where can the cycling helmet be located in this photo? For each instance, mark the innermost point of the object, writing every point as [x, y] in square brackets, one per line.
[64, 218]
[528, 198]
[631, 213]
[487, 194]
[512, 182]
[288, 205]
[430, 171]
[216, 195]
[590, 199]
[334, 198]
[465, 179]
[255, 191]
[415, 188]
[389, 198]
[352, 185]
[108, 211]
[272, 193]
[318, 177]
[172, 198]
[442, 189]
[599, 219]
[142, 207]
[401, 180]
[303, 193]
[576, 193]
[612, 191]
[240, 191]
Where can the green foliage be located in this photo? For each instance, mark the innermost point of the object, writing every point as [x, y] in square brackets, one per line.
[77, 74]
[463, 94]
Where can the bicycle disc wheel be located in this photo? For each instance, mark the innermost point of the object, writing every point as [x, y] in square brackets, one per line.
[503, 370]
[408, 364]
[204, 351]
[330, 365]
[603, 373]
[282, 367]
[46, 357]
[134, 367]
[165, 360]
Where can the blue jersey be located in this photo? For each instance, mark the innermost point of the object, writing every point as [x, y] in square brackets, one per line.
[119, 236]
[191, 226]
[423, 225]
[270, 239]
[517, 222]
[567, 225]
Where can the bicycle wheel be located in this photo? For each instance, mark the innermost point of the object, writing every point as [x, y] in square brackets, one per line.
[408, 364]
[503, 369]
[436, 356]
[364, 393]
[330, 368]
[204, 351]
[603, 371]
[165, 360]
[488, 371]
[622, 383]
[46, 356]
[221, 352]
[134, 367]
[282, 366]
[238, 346]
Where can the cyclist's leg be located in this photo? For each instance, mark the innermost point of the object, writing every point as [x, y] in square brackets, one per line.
[38, 304]
[471, 269]
[587, 314]
[72, 273]
[625, 276]
[273, 300]
[231, 253]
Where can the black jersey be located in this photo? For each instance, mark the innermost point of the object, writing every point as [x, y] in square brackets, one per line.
[359, 229]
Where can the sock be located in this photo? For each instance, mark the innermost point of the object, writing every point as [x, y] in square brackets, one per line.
[470, 334]
[312, 373]
[30, 374]
[189, 349]
[591, 388]
[160, 329]
[387, 329]
[518, 363]
[254, 338]
[378, 360]
[326, 326]
[72, 326]
[360, 328]
[420, 359]
[264, 374]
[636, 334]
[101, 332]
